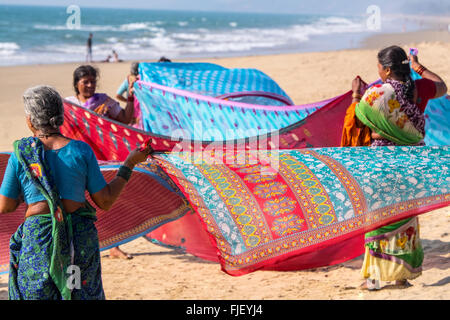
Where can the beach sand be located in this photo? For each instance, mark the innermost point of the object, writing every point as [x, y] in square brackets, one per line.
[159, 273]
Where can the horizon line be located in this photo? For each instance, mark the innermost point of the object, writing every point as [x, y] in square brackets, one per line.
[156, 9]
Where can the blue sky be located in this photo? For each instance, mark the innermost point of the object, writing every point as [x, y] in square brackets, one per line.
[438, 7]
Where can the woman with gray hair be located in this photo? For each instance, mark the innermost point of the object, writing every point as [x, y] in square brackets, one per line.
[58, 239]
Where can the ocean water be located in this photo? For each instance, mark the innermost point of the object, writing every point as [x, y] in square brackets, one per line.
[33, 34]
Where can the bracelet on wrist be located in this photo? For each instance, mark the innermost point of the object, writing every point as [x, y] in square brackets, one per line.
[356, 95]
[130, 98]
[124, 172]
[420, 70]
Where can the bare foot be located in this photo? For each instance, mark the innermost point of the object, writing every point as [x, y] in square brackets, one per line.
[117, 253]
[402, 284]
[370, 285]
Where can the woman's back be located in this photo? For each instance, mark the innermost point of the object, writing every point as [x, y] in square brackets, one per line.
[74, 169]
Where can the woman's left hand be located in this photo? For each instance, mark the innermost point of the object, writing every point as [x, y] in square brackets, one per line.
[137, 156]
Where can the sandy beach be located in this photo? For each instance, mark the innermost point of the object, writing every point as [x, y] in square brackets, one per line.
[157, 273]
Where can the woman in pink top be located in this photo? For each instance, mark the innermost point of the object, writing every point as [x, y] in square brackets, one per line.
[85, 84]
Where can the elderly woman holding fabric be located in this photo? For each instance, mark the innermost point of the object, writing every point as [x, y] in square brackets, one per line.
[392, 114]
[51, 173]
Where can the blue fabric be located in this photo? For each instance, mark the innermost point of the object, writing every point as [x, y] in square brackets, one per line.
[178, 116]
[437, 115]
[207, 78]
[198, 117]
[74, 167]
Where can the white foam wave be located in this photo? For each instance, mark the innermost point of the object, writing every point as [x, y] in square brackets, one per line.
[234, 40]
[151, 26]
[134, 26]
[8, 48]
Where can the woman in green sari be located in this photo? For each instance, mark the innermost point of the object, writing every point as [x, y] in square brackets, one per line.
[55, 252]
[394, 113]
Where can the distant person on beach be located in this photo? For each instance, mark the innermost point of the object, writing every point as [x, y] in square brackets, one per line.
[164, 59]
[85, 84]
[392, 252]
[116, 57]
[51, 173]
[108, 58]
[89, 48]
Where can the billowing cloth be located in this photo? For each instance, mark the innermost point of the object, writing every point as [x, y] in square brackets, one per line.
[381, 110]
[111, 140]
[192, 99]
[437, 125]
[437, 115]
[174, 112]
[210, 79]
[268, 214]
[149, 200]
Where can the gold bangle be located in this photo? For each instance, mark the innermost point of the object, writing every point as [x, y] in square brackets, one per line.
[356, 95]
[420, 70]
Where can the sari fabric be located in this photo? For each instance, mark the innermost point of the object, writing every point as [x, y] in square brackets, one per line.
[394, 252]
[31, 247]
[311, 206]
[383, 111]
[30, 257]
[353, 136]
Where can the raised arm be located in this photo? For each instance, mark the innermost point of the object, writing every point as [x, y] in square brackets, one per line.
[120, 98]
[441, 87]
[126, 115]
[106, 197]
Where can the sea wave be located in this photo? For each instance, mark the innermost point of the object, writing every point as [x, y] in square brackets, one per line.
[177, 39]
[150, 26]
[8, 48]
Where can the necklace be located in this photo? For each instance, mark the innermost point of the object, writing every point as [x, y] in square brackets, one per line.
[47, 135]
